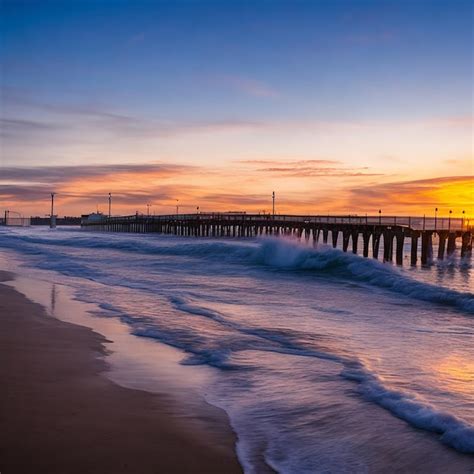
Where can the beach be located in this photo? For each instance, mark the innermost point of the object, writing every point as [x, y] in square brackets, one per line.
[319, 360]
[60, 414]
[236, 236]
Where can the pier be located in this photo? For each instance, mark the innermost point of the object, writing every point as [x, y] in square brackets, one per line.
[17, 220]
[358, 234]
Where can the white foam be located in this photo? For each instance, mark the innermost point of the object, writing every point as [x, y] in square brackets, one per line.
[288, 255]
[420, 414]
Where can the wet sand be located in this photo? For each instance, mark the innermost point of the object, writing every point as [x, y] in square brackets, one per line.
[60, 414]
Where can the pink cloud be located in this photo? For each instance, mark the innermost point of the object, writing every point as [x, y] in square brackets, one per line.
[249, 86]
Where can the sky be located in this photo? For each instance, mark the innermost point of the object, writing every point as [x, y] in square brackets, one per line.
[339, 106]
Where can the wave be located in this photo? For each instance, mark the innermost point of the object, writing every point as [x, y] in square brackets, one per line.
[287, 255]
[276, 253]
[454, 431]
[284, 341]
[282, 255]
[146, 244]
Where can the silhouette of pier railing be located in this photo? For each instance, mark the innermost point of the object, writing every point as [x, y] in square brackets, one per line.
[391, 230]
[15, 221]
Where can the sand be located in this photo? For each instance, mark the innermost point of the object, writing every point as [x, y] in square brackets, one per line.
[60, 414]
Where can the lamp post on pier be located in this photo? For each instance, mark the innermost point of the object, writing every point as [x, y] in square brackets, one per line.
[52, 222]
[273, 204]
[436, 218]
[380, 216]
[52, 203]
[462, 222]
[177, 208]
[449, 220]
[110, 204]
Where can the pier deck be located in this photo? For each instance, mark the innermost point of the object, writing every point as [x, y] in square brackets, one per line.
[371, 230]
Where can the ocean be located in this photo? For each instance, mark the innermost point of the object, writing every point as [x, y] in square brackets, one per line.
[324, 361]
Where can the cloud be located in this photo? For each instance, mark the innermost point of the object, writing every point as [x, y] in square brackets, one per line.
[12, 126]
[248, 86]
[460, 121]
[235, 199]
[96, 123]
[80, 188]
[95, 118]
[306, 168]
[317, 172]
[255, 202]
[288, 162]
[467, 162]
[24, 193]
[62, 174]
[442, 192]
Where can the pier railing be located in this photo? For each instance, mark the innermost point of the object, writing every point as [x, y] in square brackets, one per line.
[415, 223]
[392, 230]
[16, 221]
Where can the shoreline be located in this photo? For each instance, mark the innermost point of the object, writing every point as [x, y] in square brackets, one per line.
[60, 413]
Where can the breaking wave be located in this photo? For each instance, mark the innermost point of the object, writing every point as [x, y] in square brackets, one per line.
[286, 255]
[277, 253]
[454, 431]
[217, 343]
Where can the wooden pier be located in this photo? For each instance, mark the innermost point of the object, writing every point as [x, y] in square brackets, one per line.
[368, 231]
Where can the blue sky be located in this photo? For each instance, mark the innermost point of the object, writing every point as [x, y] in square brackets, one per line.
[337, 59]
[214, 82]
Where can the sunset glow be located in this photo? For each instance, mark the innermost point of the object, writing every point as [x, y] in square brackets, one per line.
[222, 130]
[236, 236]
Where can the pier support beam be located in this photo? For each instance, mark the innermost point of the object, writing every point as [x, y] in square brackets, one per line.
[315, 237]
[414, 247]
[218, 225]
[442, 235]
[451, 243]
[355, 238]
[466, 247]
[345, 239]
[400, 239]
[388, 245]
[366, 239]
[426, 247]
[376, 244]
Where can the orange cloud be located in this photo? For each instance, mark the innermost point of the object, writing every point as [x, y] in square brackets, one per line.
[309, 168]
[302, 186]
[454, 193]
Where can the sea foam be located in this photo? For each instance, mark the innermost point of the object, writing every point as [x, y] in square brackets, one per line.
[420, 414]
[326, 260]
[278, 253]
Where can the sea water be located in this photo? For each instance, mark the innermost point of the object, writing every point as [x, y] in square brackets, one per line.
[325, 362]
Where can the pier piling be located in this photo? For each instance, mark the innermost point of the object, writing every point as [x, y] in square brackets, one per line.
[394, 231]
